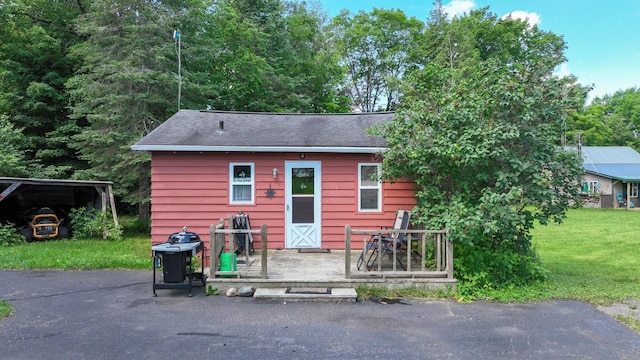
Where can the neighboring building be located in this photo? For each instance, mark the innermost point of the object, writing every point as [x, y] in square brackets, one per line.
[305, 176]
[612, 175]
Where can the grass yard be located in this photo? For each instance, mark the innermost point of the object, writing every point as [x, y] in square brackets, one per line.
[131, 253]
[593, 256]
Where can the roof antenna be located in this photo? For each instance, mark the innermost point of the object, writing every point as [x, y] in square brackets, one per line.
[177, 36]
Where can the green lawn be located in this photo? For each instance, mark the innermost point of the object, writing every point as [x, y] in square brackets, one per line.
[131, 253]
[593, 256]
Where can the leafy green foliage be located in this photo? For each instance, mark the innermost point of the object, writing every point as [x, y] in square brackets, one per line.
[10, 235]
[34, 67]
[610, 120]
[12, 158]
[375, 50]
[482, 144]
[271, 56]
[92, 223]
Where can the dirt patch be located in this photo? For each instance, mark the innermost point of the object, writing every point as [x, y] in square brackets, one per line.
[627, 308]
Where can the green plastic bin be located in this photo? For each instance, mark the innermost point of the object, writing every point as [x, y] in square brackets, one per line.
[228, 262]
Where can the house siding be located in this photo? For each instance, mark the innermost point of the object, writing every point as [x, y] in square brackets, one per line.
[192, 189]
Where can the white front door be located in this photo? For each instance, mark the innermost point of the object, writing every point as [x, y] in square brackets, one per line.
[302, 204]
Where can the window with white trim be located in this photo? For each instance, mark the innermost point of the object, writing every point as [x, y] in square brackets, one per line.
[591, 187]
[634, 190]
[241, 183]
[369, 187]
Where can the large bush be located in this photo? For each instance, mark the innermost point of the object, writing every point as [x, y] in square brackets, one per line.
[10, 235]
[482, 143]
[91, 224]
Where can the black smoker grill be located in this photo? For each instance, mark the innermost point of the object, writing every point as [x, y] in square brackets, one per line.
[175, 259]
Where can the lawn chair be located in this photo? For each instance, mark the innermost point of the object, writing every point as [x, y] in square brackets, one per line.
[241, 221]
[623, 202]
[383, 243]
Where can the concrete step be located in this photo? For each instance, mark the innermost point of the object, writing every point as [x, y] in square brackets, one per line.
[306, 294]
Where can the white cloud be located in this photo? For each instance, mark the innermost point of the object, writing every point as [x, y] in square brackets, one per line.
[458, 7]
[532, 18]
[562, 70]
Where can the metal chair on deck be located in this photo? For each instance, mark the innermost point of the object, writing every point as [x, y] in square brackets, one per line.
[384, 243]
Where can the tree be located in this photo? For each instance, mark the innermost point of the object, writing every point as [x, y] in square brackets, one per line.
[271, 56]
[375, 50]
[12, 162]
[124, 88]
[34, 67]
[589, 127]
[612, 120]
[482, 145]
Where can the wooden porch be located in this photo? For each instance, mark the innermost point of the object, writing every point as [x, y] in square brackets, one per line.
[425, 262]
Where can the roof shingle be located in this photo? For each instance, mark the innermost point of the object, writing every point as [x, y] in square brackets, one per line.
[223, 129]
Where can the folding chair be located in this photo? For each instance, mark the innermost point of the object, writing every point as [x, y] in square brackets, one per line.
[383, 243]
[241, 221]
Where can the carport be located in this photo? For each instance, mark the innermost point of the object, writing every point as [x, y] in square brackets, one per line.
[18, 195]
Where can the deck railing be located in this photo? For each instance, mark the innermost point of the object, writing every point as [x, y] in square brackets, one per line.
[422, 253]
[218, 243]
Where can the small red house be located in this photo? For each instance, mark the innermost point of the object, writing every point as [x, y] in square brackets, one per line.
[303, 175]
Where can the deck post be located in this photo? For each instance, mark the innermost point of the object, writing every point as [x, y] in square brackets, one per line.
[264, 251]
[347, 252]
[449, 246]
[233, 243]
[216, 246]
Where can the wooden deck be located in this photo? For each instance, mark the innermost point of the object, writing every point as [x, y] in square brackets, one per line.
[336, 268]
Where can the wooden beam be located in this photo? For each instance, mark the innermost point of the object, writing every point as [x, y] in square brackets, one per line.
[112, 201]
[10, 189]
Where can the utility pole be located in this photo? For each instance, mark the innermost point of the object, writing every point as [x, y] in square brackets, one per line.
[176, 36]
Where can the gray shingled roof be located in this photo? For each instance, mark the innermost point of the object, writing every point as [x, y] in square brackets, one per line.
[193, 130]
[616, 162]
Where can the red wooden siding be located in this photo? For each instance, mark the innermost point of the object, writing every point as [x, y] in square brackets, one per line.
[192, 189]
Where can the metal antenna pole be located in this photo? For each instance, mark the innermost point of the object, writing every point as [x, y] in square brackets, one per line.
[176, 35]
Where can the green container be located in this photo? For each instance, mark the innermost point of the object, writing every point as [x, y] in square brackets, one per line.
[228, 262]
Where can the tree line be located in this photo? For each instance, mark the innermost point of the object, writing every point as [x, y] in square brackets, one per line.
[81, 81]
[481, 110]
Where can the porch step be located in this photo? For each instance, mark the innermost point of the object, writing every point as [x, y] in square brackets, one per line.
[306, 294]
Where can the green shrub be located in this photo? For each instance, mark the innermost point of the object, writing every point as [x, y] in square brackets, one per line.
[10, 235]
[137, 226]
[481, 270]
[91, 223]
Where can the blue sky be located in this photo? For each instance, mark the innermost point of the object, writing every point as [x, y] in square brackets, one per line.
[603, 37]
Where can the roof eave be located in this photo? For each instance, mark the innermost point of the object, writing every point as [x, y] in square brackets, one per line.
[615, 177]
[307, 149]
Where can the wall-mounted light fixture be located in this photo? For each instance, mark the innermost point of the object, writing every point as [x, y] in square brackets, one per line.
[302, 155]
[275, 173]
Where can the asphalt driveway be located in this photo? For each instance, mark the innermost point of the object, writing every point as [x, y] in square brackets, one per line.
[112, 315]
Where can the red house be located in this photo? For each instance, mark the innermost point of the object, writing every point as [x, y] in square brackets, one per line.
[303, 175]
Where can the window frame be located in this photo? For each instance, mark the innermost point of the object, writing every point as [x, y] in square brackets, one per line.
[361, 187]
[593, 187]
[633, 189]
[233, 183]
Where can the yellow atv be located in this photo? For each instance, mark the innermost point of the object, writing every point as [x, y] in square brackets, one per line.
[44, 224]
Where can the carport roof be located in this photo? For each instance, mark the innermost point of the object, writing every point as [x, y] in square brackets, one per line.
[31, 181]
